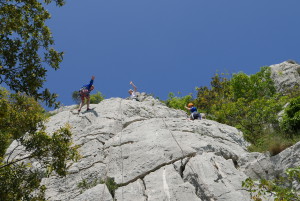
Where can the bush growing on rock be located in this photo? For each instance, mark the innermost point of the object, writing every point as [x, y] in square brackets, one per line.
[281, 189]
[249, 103]
[291, 118]
[94, 98]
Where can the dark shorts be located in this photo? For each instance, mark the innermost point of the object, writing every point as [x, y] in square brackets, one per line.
[195, 115]
[84, 93]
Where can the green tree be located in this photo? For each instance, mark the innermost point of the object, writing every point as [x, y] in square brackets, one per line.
[76, 97]
[291, 118]
[248, 102]
[253, 86]
[178, 102]
[96, 98]
[22, 120]
[26, 54]
[216, 95]
[27, 51]
[251, 117]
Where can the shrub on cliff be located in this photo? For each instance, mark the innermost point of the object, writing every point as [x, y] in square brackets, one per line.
[291, 118]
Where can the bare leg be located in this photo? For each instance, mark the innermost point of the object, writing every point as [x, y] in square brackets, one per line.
[81, 104]
[88, 103]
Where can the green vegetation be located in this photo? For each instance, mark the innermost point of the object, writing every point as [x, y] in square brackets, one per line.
[76, 97]
[94, 98]
[26, 55]
[291, 118]
[282, 188]
[111, 185]
[251, 104]
[178, 102]
[27, 47]
[22, 119]
[109, 182]
[84, 184]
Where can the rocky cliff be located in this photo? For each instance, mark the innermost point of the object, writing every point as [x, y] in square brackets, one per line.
[153, 152]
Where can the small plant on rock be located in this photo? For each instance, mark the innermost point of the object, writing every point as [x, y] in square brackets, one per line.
[282, 189]
[111, 185]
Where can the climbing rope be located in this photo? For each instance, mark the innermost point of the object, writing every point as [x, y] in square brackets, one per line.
[120, 142]
[109, 155]
[121, 151]
[182, 152]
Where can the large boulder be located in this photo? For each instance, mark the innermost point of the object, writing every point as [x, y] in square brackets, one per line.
[285, 75]
[150, 152]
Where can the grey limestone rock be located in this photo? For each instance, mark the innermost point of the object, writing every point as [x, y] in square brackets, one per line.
[97, 193]
[258, 165]
[285, 75]
[153, 152]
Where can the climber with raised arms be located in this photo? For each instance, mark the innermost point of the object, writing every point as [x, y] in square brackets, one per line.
[132, 93]
[84, 93]
[194, 113]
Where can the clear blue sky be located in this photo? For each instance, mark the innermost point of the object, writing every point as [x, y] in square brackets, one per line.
[167, 45]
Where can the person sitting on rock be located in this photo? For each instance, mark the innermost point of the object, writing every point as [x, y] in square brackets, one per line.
[84, 93]
[132, 93]
[194, 113]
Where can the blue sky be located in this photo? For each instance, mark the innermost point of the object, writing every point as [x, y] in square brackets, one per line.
[167, 45]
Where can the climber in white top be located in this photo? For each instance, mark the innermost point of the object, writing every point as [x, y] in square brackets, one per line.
[132, 92]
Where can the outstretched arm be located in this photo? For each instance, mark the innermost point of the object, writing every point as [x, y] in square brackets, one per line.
[134, 87]
[91, 82]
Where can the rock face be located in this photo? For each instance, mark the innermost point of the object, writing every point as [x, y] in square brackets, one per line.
[286, 75]
[156, 153]
[257, 166]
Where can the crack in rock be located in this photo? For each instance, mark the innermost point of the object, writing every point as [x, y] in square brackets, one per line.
[85, 168]
[119, 145]
[85, 117]
[145, 188]
[156, 168]
[133, 121]
[90, 140]
[95, 134]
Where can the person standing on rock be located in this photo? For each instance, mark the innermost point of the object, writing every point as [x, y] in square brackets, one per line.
[132, 93]
[194, 113]
[84, 93]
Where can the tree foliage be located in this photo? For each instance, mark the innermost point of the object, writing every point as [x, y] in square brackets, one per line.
[22, 120]
[178, 102]
[76, 97]
[27, 50]
[215, 96]
[18, 183]
[248, 102]
[251, 117]
[291, 118]
[254, 86]
[94, 98]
